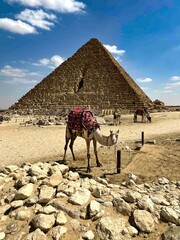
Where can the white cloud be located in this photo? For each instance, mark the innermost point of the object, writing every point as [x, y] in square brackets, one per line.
[44, 62]
[16, 26]
[144, 88]
[144, 80]
[9, 71]
[167, 87]
[168, 91]
[114, 50]
[37, 18]
[175, 78]
[174, 84]
[17, 73]
[34, 74]
[20, 80]
[53, 62]
[64, 6]
[57, 60]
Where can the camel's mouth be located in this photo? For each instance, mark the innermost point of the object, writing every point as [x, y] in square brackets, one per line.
[115, 139]
[149, 118]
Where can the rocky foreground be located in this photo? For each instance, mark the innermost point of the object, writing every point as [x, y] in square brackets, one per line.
[47, 201]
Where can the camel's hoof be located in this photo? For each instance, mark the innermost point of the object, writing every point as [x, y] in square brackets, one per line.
[64, 162]
[99, 165]
[89, 170]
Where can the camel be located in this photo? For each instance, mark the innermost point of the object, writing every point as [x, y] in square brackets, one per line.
[1, 119]
[143, 113]
[95, 135]
[117, 118]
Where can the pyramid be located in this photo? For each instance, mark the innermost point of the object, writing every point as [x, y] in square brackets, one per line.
[90, 77]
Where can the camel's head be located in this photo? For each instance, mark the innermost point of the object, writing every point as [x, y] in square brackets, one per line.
[149, 117]
[114, 136]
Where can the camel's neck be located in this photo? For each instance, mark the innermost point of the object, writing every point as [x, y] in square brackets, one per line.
[103, 140]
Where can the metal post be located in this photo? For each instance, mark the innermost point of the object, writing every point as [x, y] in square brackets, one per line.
[118, 161]
[142, 138]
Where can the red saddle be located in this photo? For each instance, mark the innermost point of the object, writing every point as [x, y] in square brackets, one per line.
[82, 117]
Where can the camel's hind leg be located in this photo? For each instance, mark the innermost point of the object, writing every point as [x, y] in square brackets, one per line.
[88, 155]
[142, 118]
[95, 153]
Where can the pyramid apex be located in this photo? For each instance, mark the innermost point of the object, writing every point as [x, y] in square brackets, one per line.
[94, 40]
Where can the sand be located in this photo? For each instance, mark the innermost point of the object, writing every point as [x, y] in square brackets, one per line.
[19, 144]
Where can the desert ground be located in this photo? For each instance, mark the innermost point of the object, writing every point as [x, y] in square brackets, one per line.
[159, 156]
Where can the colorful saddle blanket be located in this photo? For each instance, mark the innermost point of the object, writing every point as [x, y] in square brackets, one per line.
[82, 117]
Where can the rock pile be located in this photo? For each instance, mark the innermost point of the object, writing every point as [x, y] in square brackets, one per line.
[159, 105]
[44, 201]
[54, 120]
[44, 121]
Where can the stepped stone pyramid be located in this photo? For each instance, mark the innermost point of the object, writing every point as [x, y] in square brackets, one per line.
[90, 77]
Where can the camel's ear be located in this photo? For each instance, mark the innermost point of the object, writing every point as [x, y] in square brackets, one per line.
[117, 131]
[111, 131]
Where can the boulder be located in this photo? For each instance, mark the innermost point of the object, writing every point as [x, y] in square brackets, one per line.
[144, 220]
[25, 192]
[80, 197]
[43, 221]
[111, 228]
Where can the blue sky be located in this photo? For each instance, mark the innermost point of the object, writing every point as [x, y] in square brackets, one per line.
[38, 35]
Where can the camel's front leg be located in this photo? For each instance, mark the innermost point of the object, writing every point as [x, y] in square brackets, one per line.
[88, 155]
[71, 146]
[95, 153]
[65, 148]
